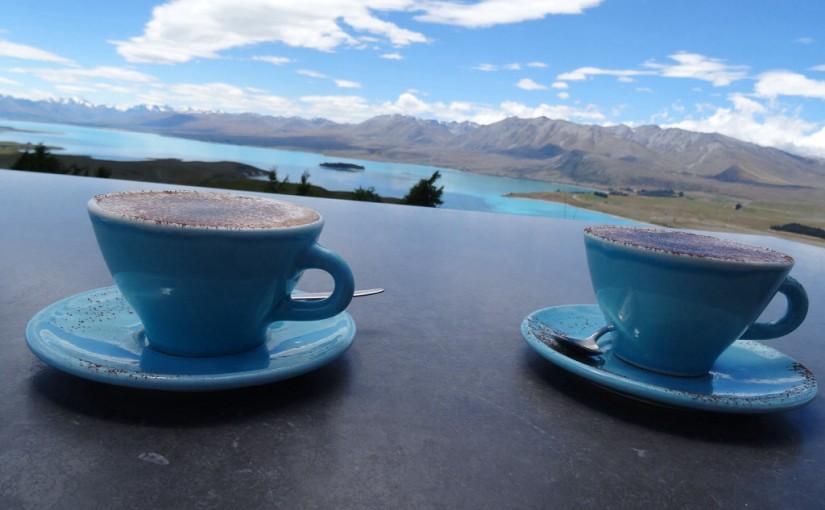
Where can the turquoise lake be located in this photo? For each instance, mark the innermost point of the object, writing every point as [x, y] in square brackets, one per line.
[462, 190]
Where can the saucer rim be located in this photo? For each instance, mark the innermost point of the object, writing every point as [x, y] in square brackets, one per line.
[657, 394]
[277, 370]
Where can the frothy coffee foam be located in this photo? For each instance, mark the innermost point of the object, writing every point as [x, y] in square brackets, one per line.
[685, 243]
[206, 210]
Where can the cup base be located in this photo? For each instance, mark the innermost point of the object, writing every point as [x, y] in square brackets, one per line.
[143, 339]
[672, 373]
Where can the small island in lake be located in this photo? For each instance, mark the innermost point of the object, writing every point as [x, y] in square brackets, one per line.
[349, 167]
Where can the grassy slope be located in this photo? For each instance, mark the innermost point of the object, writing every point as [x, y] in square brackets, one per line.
[703, 212]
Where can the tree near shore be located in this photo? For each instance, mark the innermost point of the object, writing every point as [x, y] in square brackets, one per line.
[425, 193]
[39, 160]
[366, 194]
[304, 186]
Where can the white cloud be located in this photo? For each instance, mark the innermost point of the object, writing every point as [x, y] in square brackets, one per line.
[487, 13]
[74, 75]
[787, 83]
[23, 52]
[805, 40]
[514, 66]
[221, 97]
[357, 109]
[560, 85]
[538, 65]
[559, 111]
[310, 73]
[392, 56]
[181, 30]
[346, 84]
[563, 95]
[528, 84]
[75, 89]
[8, 81]
[818, 68]
[584, 73]
[626, 79]
[276, 61]
[761, 123]
[336, 108]
[700, 67]
[28, 93]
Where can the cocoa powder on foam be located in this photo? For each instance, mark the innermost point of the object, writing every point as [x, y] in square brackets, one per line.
[688, 244]
[206, 210]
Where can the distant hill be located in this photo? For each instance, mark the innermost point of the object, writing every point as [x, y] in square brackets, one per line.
[537, 148]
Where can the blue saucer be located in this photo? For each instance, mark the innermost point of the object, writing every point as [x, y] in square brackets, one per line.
[749, 377]
[96, 335]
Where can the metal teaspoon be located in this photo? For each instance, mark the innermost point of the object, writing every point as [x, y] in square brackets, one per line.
[587, 345]
[315, 296]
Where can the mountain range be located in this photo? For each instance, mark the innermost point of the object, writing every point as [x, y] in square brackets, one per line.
[538, 148]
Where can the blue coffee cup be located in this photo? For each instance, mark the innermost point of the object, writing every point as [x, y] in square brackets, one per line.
[677, 300]
[207, 273]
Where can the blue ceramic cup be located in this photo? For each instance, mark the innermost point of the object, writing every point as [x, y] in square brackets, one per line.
[677, 300]
[207, 273]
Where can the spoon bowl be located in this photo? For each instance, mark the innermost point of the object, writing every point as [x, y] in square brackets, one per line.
[587, 345]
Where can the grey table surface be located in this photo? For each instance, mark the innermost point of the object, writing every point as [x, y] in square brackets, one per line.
[439, 403]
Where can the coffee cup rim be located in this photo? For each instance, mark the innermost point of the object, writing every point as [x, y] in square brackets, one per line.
[780, 259]
[96, 209]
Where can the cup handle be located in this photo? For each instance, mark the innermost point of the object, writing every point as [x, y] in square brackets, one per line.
[318, 257]
[794, 314]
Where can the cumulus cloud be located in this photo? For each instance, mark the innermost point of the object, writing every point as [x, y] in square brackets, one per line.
[460, 111]
[487, 13]
[336, 108]
[560, 85]
[760, 122]
[182, 30]
[220, 96]
[392, 56]
[787, 83]
[23, 52]
[700, 67]
[528, 84]
[558, 111]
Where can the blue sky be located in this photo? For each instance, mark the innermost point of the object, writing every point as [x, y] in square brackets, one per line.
[752, 69]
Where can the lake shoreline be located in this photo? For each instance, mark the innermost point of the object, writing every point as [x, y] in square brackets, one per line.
[464, 189]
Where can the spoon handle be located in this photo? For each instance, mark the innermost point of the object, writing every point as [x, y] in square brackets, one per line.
[315, 296]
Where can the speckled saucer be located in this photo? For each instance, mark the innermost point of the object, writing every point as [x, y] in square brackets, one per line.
[749, 377]
[96, 335]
